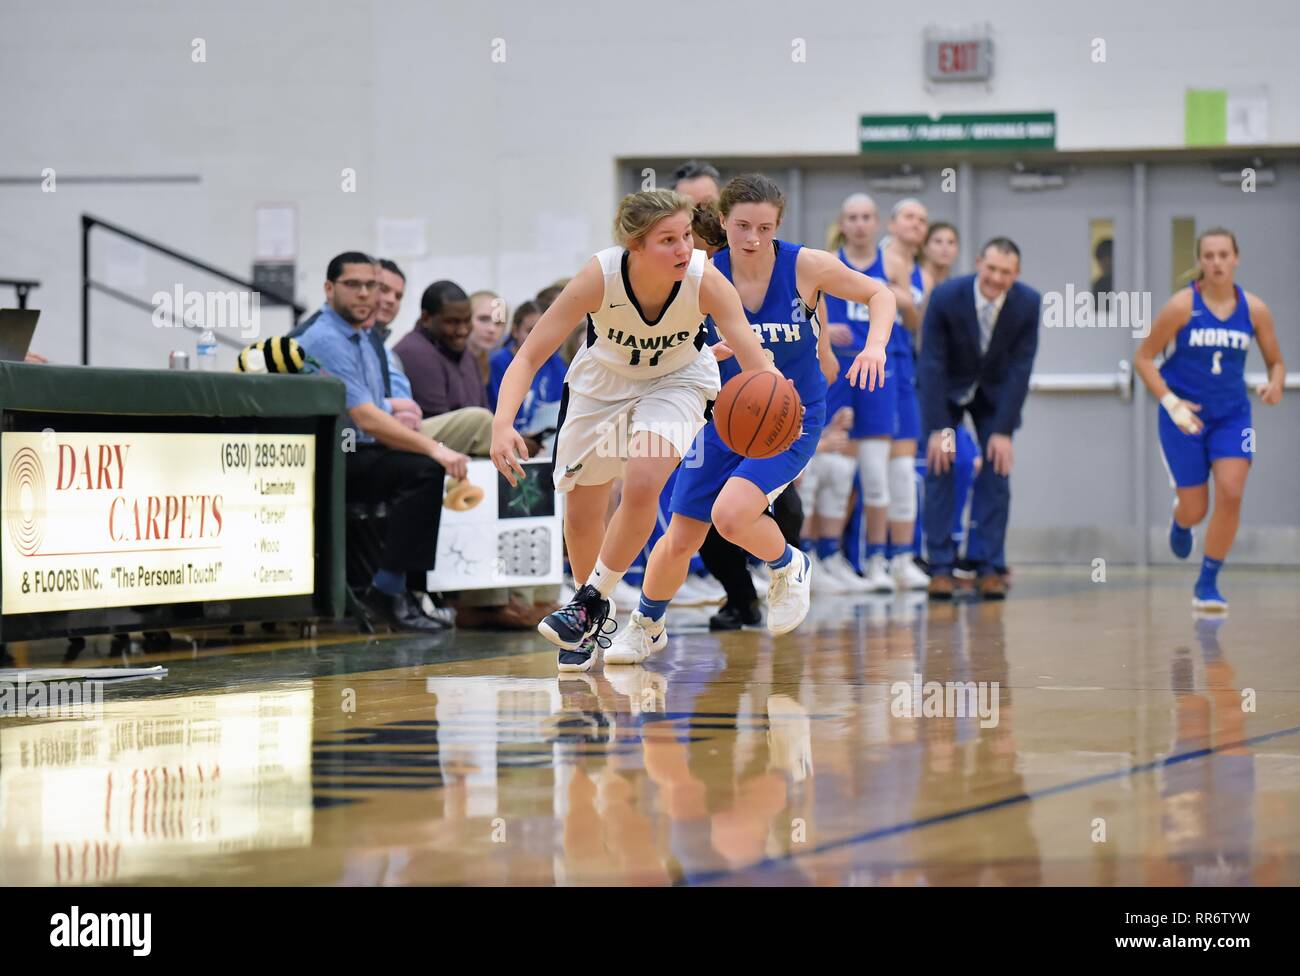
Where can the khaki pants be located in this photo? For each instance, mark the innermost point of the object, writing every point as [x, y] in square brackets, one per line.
[467, 430]
[499, 598]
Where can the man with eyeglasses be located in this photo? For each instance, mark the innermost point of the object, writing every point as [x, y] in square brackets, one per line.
[391, 463]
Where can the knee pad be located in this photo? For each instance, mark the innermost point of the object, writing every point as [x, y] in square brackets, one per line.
[836, 486]
[873, 472]
[902, 489]
[808, 484]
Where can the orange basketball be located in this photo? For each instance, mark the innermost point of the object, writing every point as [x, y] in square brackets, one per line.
[757, 414]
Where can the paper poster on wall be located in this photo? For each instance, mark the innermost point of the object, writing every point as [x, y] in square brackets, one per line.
[402, 238]
[562, 235]
[277, 232]
[1217, 116]
[1247, 116]
[522, 274]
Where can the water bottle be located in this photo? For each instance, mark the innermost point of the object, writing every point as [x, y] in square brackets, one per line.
[205, 358]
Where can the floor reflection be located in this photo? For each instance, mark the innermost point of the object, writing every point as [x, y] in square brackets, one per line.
[1047, 740]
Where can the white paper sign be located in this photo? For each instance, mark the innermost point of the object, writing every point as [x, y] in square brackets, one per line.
[277, 232]
[511, 537]
[1247, 116]
[404, 238]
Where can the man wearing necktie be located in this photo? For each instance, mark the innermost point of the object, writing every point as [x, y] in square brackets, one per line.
[978, 342]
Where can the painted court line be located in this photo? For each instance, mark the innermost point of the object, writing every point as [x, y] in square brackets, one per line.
[1066, 787]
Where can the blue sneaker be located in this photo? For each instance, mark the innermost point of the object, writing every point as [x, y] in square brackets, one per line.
[1207, 597]
[1180, 539]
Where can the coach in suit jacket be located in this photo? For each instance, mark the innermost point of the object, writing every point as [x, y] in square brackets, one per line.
[978, 342]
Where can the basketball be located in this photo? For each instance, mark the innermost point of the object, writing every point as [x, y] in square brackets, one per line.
[757, 414]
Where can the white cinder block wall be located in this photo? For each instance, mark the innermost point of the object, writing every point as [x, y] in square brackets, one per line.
[512, 161]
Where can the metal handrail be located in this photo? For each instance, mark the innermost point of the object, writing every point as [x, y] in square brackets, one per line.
[1292, 381]
[1120, 382]
[89, 222]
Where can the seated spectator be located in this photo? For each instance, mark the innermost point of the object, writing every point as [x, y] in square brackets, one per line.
[544, 300]
[539, 415]
[445, 383]
[488, 324]
[390, 463]
[392, 289]
[445, 380]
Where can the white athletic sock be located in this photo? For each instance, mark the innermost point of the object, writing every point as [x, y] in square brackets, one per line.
[604, 579]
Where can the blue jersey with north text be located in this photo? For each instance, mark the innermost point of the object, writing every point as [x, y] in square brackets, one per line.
[1208, 364]
[785, 324]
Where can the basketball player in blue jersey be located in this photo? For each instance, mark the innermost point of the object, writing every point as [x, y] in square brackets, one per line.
[779, 285]
[907, 226]
[1205, 422]
[874, 411]
[635, 395]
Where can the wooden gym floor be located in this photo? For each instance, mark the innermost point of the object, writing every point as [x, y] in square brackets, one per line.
[1125, 743]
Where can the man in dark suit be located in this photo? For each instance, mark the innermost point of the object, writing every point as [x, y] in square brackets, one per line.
[977, 349]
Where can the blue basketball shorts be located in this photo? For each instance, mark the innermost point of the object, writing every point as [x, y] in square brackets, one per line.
[1226, 434]
[698, 487]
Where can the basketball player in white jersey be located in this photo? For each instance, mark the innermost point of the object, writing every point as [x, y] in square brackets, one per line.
[635, 396]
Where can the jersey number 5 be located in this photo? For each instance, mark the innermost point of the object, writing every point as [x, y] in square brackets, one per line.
[1215, 367]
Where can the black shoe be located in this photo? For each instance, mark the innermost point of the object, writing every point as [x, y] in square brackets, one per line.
[401, 612]
[581, 658]
[577, 620]
[733, 617]
[446, 616]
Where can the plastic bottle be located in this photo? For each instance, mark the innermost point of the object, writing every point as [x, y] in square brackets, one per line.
[205, 358]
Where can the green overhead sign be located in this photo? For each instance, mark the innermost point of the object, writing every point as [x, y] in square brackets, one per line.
[1013, 130]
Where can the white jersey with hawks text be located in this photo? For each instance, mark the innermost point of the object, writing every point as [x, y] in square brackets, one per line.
[621, 339]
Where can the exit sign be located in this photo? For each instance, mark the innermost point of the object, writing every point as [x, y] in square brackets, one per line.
[959, 59]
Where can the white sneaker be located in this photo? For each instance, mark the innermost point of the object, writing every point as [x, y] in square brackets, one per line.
[907, 575]
[824, 581]
[711, 590]
[637, 641]
[877, 606]
[789, 594]
[686, 595]
[877, 575]
[694, 592]
[908, 605]
[626, 594]
[789, 737]
[839, 567]
[646, 691]
[759, 581]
